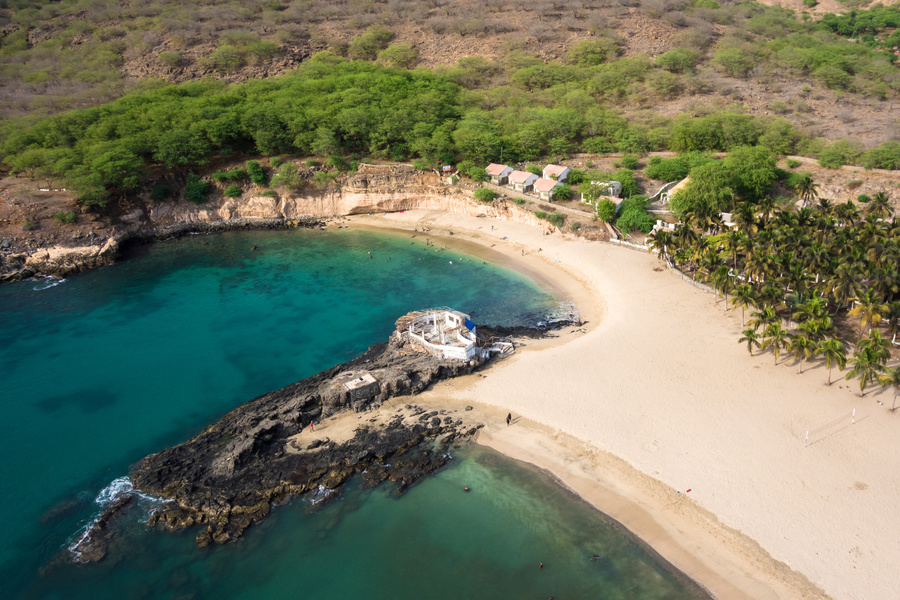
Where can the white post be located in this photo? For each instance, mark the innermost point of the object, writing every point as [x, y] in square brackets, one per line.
[853, 417]
[807, 439]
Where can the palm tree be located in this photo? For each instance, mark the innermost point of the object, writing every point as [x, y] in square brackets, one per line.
[805, 188]
[879, 206]
[744, 297]
[862, 368]
[891, 377]
[833, 352]
[802, 347]
[752, 339]
[661, 240]
[893, 319]
[870, 309]
[776, 337]
[762, 318]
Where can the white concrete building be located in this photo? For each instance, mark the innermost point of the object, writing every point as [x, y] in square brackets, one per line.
[445, 333]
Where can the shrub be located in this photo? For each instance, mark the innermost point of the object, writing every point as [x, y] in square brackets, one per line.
[556, 219]
[540, 214]
[269, 193]
[160, 192]
[518, 200]
[311, 163]
[477, 174]
[563, 192]
[196, 190]
[575, 226]
[863, 198]
[831, 158]
[885, 156]
[678, 60]
[633, 215]
[606, 210]
[233, 191]
[170, 59]
[367, 45]
[792, 163]
[734, 61]
[400, 55]
[667, 169]
[485, 195]
[630, 162]
[67, 218]
[256, 173]
[232, 175]
[337, 162]
[322, 179]
[29, 225]
[276, 162]
[535, 169]
[588, 53]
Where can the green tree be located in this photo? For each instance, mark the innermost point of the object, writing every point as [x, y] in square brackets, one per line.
[587, 53]
[709, 190]
[776, 337]
[833, 352]
[752, 169]
[181, 148]
[485, 195]
[367, 45]
[734, 61]
[871, 310]
[751, 338]
[802, 348]
[399, 55]
[679, 60]
[891, 377]
[195, 189]
[606, 210]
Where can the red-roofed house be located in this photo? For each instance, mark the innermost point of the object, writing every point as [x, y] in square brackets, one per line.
[522, 181]
[546, 188]
[498, 173]
[556, 172]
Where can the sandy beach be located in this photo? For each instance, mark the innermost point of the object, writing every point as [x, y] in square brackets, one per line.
[656, 415]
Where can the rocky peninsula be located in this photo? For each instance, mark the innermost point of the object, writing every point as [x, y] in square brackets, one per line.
[258, 456]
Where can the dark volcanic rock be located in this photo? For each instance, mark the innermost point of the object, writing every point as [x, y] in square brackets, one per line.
[227, 477]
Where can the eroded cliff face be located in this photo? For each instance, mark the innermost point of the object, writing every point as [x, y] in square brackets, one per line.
[374, 189]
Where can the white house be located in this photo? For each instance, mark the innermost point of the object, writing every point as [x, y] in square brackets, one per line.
[556, 172]
[445, 333]
[498, 173]
[666, 196]
[545, 188]
[611, 189]
[522, 181]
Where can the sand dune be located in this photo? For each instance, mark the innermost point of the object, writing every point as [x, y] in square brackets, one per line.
[656, 397]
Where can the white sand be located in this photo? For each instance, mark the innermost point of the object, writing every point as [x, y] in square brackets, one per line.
[658, 397]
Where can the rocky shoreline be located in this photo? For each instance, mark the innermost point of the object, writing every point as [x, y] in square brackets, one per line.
[64, 261]
[231, 474]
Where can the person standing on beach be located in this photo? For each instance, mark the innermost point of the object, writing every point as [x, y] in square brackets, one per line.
[508, 419]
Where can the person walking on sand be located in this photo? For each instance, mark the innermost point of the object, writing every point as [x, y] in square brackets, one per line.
[312, 426]
[508, 419]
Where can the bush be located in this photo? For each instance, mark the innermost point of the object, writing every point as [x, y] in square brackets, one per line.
[534, 169]
[885, 156]
[862, 198]
[420, 165]
[563, 192]
[575, 226]
[678, 60]
[269, 193]
[232, 175]
[630, 162]
[256, 173]
[667, 169]
[369, 44]
[28, 225]
[67, 218]
[556, 219]
[518, 200]
[831, 158]
[606, 210]
[477, 174]
[338, 163]
[792, 163]
[323, 179]
[399, 55]
[734, 61]
[233, 191]
[311, 163]
[160, 192]
[588, 53]
[276, 162]
[170, 59]
[633, 215]
[196, 190]
[485, 195]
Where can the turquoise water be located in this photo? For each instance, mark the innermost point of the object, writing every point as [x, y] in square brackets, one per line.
[107, 367]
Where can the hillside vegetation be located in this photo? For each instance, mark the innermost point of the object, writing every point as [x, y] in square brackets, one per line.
[553, 78]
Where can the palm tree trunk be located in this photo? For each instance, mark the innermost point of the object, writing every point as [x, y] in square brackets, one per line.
[829, 375]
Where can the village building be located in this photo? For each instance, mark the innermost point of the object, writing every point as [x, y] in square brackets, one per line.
[499, 174]
[666, 196]
[522, 181]
[608, 189]
[445, 333]
[556, 172]
[546, 188]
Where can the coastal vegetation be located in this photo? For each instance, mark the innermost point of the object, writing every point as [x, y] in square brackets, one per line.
[359, 99]
[818, 281]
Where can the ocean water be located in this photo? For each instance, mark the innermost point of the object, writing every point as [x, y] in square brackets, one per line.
[104, 368]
